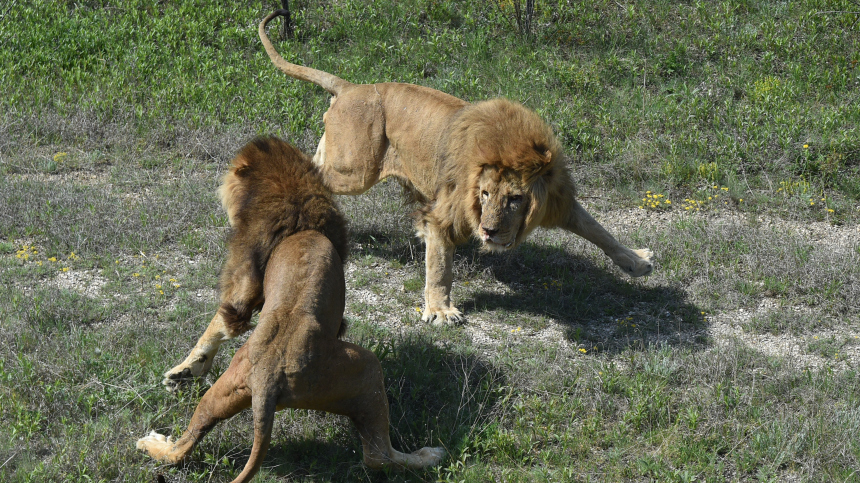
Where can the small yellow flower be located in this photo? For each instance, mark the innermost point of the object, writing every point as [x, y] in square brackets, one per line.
[582, 350]
[158, 286]
[65, 269]
[136, 274]
[52, 259]
[59, 157]
[805, 146]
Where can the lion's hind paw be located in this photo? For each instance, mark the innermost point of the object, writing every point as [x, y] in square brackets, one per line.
[430, 456]
[155, 445]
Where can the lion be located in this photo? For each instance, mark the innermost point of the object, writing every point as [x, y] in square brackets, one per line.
[285, 257]
[492, 170]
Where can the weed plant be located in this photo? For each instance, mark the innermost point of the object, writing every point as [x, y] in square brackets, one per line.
[726, 121]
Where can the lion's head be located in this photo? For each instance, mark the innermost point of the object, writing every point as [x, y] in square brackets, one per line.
[501, 163]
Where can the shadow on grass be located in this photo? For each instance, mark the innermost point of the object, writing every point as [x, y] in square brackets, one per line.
[398, 245]
[435, 396]
[597, 306]
[593, 303]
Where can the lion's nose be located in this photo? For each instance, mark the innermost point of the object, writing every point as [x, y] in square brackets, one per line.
[489, 231]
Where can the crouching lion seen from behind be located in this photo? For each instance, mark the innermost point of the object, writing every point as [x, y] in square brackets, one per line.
[492, 170]
[286, 257]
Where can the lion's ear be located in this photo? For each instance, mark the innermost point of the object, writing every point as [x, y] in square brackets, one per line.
[485, 151]
[540, 167]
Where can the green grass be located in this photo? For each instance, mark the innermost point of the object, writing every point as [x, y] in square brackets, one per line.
[734, 125]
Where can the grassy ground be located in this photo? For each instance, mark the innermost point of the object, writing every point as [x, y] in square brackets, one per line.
[723, 135]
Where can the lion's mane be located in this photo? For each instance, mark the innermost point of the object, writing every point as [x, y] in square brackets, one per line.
[272, 191]
[506, 135]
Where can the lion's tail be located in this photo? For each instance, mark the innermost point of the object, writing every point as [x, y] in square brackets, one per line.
[264, 407]
[329, 82]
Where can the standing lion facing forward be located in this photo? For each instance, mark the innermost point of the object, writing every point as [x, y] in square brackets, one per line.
[286, 255]
[491, 170]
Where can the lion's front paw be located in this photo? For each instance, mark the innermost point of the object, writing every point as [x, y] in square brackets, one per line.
[186, 371]
[643, 266]
[443, 316]
[636, 263]
[156, 446]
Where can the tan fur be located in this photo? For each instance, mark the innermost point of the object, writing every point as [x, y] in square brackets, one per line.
[449, 153]
[286, 256]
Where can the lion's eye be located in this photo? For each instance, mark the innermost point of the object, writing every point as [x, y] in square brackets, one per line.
[485, 195]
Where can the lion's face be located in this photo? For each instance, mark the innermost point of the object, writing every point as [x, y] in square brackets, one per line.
[504, 204]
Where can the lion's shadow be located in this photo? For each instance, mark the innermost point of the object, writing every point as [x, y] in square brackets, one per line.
[596, 305]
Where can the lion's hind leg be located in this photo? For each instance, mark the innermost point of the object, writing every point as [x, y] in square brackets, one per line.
[229, 395]
[356, 389]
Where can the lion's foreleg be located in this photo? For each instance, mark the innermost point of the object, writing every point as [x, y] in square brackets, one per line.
[199, 361]
[241, 293]
[635, 263]
[439, 271]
